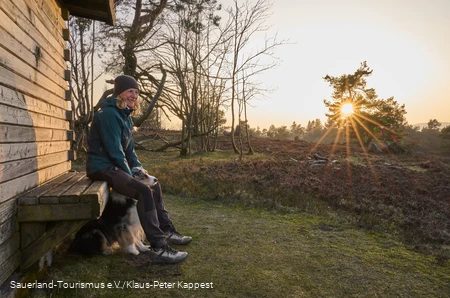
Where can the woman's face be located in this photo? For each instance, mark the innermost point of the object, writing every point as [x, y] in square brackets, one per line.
[130, 96]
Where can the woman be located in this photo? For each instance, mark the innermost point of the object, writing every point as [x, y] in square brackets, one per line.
[111, 157]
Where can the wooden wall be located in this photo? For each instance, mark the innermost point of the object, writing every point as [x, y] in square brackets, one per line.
[35, 136]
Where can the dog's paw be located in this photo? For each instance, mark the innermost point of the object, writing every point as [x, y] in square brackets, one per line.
[144, 248]
[107, 252]
[132, 250]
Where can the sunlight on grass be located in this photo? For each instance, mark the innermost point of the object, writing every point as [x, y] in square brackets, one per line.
[256, 253]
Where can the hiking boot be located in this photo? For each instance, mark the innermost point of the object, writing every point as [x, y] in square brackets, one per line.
[177, 239]
[167, 255]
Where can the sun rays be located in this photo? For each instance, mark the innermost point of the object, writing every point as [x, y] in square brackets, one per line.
[350, 120]
[347, 109]
[357, 117]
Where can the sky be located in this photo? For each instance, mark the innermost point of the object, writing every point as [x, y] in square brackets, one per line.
[405, 42]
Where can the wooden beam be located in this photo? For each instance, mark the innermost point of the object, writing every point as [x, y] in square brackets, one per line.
[66, 34]
[56, 212]
[8, 267]
[68, 95]
[72, 154]
[15, 116]
[10, 152]
[14, 169]
[30, 231]
[67, 55]
[67, 75]
[9, 247]
[65, 14]
[8, 228]
[38, 34]
[70, 115]
[21, 134]
[47, 241]
[97, 194]
[20, 185]
[32, 104]
[8, 209]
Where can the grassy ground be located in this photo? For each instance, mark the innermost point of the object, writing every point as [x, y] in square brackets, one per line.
[253, 238]
[240, 252]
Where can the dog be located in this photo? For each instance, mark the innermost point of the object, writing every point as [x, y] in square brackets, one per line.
[119, 223]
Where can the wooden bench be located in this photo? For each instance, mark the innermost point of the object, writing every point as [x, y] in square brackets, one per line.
[51, 212]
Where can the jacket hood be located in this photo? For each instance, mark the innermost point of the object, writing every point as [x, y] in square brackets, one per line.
[112, 102]
[109, 102]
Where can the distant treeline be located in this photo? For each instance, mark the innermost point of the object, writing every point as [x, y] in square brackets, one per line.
[430, 138]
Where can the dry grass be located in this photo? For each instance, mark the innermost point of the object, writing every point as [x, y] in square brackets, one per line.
[267, 227]
[257, 253]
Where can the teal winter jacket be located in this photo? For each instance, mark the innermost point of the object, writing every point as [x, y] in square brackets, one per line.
[111, 140]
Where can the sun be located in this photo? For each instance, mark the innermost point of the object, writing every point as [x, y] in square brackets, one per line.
[347, 109]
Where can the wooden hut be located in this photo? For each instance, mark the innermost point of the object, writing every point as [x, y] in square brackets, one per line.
[35, 118]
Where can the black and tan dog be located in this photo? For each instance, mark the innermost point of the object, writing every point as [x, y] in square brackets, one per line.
[119, 223]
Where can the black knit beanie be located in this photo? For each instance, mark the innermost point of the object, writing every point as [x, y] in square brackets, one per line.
[124, 82]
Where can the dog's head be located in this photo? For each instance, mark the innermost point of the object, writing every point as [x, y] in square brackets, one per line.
[91, 239]
[147, 179]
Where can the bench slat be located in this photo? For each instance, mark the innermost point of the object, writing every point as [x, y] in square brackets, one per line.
[73, 194]
[32, 197]
[52, 196]
[75, 198]
[55, 212]
[97, 194]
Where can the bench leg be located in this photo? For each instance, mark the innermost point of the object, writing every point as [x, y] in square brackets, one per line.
[47, 241]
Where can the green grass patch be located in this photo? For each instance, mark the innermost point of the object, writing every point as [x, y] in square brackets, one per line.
[250, 252]
[271, 226]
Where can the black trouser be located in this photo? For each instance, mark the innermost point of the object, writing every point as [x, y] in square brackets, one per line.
[150, 207]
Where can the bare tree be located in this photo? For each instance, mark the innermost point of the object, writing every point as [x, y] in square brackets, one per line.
[193, 52]
[248, 20]
[82, 52]
[179, 53]
[126, 42]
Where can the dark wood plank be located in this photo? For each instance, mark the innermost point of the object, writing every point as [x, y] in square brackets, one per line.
[8, 228]
[73, 194]
[97, 194]
[56, 212]
[30, 231]
[52, 196]
[32, 197]
[10, 246]
[47, 241]
[8, 267]
[7, 210]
